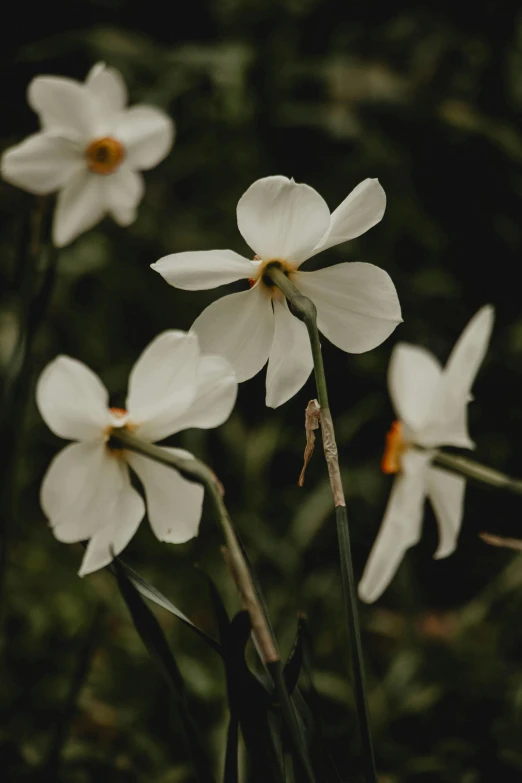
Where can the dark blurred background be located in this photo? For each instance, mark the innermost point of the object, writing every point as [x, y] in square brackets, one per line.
[428, 98]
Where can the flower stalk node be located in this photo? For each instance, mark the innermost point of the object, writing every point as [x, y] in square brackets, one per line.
[300, 306]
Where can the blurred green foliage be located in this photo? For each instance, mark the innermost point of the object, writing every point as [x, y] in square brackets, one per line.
[427, 97]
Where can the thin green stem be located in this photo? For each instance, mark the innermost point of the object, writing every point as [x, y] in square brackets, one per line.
[197, 471]
[34, 301]
[194, 470]
[477, 472]
[304, 309]
[352, 619]
[290, 720]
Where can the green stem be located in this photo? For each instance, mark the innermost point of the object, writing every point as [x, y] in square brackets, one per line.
[33, 308]
[477, 472]
[352, 619]
[290, 720]
[194, 470]
[304, 309]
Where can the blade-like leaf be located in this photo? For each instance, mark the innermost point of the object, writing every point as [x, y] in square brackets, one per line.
[250, 704]
[292, 668]
[311, 709]
[149, 591]
[231, 773]
[220, 612]
[153, 638]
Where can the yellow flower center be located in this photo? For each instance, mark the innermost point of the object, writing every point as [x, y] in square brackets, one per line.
[104, 155]
[395, 446]
[116, 451]
[286, 266]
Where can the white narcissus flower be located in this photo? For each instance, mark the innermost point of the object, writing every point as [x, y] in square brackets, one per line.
[86, 492]
[285, 223]
[431, 403]
[90, 149]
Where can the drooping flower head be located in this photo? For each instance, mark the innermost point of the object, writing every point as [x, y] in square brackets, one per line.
[87, 493]
[90, 149]
[285, 223]
[431, 403]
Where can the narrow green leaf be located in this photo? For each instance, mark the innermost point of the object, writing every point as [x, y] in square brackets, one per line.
[149, 591]
[153, 638]
[292, 668]
[231, 773]
[250, 702]
[220, 612]
[311, 707]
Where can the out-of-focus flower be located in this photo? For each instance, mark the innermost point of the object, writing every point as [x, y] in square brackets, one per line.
[90, 149]
[86, 492]
[431, 403]
[286, 223]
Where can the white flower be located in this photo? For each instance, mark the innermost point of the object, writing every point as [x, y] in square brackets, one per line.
[90, 148]
[286, 223]
[431, 403]
[87, 493]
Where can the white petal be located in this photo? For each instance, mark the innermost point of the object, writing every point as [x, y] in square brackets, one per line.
[290, 362]
[357, 304]
[162, 384]
[86, 493]
[79, 207]
[147, 134]
[447, 424]
[173, 504]
[64, 106]
[468, 354]
[72, 400]
[42, 163]
[449, 427]
[360, 210]
[120, 519]
[123, 191]
[215, 396]
[446, 493]
[108, 87]
[282, 219]
[414, 381]
[202, 269]
[70, 486]
[401, 526]
[239, 327]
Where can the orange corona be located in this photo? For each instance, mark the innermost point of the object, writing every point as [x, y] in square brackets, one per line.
[119, 412]
[395, 445]
[104, 155]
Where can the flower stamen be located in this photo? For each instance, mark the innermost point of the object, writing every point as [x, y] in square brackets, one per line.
[395, 446]
[104, 155]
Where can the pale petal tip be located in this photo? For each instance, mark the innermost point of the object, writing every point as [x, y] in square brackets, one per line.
[97, 68]
[488, 313]
[85, 570]
[365, 595]
[485, 315]
[444, 551]
[60, 238]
